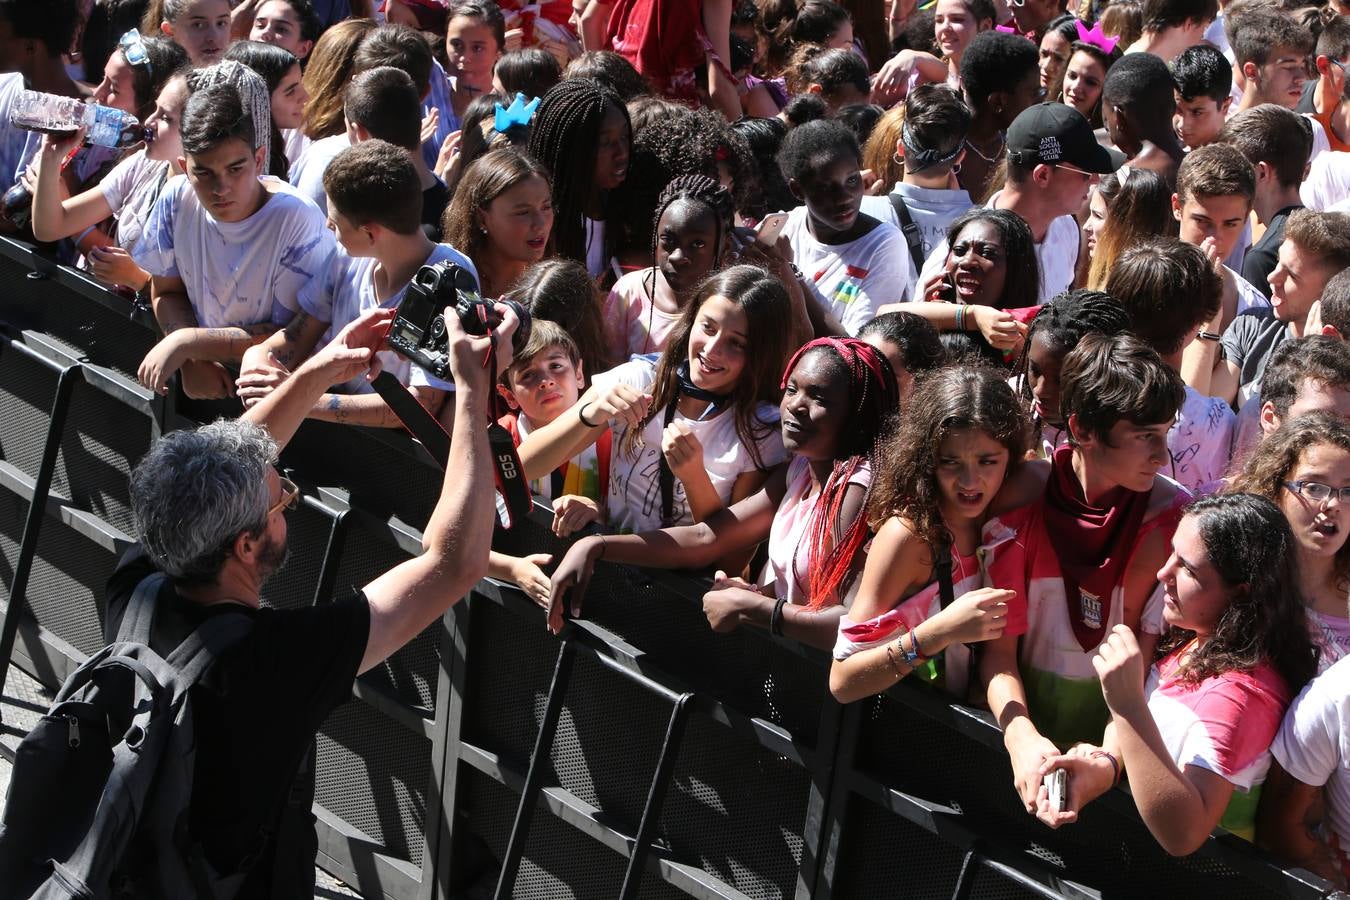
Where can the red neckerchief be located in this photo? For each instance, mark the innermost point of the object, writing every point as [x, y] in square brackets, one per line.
[1093, 544]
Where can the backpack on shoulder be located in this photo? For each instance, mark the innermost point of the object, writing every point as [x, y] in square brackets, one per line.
[98, 799]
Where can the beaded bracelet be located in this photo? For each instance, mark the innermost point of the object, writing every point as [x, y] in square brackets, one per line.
[1111, 758]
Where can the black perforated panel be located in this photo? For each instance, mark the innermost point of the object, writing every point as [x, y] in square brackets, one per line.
[374, 773]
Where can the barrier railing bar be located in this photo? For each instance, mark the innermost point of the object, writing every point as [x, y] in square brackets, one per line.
[361, 861]
[656, 795]
[37, 507]
[101, 378]
[822, 770]
[443, 794]
[696, 883]
[534, 778]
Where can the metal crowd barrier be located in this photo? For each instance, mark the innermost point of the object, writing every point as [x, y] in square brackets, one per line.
[640, 755]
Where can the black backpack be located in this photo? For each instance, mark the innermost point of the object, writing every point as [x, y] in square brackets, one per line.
[98, 799]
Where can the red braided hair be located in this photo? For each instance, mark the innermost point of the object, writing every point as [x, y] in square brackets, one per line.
[871, 385]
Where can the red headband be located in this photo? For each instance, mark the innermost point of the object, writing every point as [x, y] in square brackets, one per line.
[848, 348]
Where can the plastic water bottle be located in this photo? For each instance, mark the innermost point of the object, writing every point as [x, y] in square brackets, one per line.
[63, 116]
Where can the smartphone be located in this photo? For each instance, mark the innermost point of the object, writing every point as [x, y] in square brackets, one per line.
[947, 289]
[1057, 784]
[769, 228]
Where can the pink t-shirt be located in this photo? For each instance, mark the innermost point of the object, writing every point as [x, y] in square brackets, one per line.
[633, 324]
[1224, 724]
[790, 535]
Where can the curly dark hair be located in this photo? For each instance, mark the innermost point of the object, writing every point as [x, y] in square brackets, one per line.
[768, 190]
[948, 400]
[1250, 545]
[694, 189]
[1273, 460]
[677, 141]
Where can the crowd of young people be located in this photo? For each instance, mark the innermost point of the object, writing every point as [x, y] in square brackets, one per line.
[1015, 334]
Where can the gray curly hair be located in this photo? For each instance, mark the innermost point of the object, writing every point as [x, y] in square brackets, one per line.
[195, 491]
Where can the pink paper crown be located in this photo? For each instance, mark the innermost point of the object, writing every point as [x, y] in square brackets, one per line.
[1096, 38]
[1009, 29]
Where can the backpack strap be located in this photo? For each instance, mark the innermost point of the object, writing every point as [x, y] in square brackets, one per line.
[913, 235]
[206, 643]
[140, 611]
[942, 568]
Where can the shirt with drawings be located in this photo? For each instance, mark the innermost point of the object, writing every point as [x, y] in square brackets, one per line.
[236, 273]
[17, 146]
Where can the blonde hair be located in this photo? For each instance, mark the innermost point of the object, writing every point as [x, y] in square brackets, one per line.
[878, 154]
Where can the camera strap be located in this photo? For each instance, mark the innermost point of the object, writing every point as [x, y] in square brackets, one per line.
[666, 476]
[414, 416]
[513, 491]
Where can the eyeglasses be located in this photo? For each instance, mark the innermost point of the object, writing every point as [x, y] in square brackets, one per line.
[133, 48]
[1318, 492]
[289, 499]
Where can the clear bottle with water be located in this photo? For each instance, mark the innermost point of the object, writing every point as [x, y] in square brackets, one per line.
[63, 116]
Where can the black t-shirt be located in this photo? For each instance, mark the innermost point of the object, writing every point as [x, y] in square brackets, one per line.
[434, 201]
[256, 714]
[1264, 255]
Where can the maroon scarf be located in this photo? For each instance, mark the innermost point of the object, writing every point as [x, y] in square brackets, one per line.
[1093, 544]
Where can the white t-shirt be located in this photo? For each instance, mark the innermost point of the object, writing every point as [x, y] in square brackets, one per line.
[1321, 143]
[307, 171]
[296, 143]
[1313, 744]
[1248, 297]
[17, 147]
[852, 280]
[1201, 440]
[131, 189]
[236, 273]
[1057, 255]
[634, 496]
[347, 289]
[1328, 181]
[932, 209]
[595, 246]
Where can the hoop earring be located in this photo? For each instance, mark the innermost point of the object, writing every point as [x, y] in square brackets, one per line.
[956, 169]
[898, 160]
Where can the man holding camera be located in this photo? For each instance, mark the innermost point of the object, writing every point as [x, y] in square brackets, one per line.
[210, 511]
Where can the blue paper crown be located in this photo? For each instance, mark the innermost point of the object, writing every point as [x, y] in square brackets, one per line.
[518, 113]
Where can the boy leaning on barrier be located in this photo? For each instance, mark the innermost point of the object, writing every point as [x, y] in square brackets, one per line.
[227, 251]
[210, 513]
[374, 208]
[1094, 540]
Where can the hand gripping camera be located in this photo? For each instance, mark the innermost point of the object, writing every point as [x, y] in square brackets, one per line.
[418, 333]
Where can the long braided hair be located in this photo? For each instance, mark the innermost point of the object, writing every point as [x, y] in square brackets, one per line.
[1064, 321]
[694, 189]
[874, 399]
[563, 136]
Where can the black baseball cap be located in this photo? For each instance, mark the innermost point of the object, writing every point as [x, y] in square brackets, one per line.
[1057, 133]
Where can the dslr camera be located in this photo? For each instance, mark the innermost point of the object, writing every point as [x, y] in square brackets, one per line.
[418, 331]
